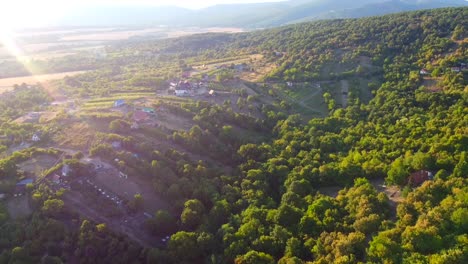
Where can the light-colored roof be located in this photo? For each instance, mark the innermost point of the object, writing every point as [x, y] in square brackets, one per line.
[24, 182]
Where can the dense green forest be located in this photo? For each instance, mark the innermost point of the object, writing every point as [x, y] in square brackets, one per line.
[271, 205]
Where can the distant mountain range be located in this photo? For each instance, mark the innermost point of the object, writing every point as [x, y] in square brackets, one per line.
[258, 15]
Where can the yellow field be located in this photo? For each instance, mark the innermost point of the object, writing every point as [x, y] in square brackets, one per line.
[7, 84]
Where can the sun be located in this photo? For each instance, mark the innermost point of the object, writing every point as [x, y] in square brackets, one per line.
[17, 14]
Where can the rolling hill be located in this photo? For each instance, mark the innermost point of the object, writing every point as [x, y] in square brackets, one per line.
[257, 15]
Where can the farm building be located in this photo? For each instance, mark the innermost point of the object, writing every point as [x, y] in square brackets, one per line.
[417, 178]
[66, 170]
[140, 116]
[182, 93]
[119, 103]
[424, 72]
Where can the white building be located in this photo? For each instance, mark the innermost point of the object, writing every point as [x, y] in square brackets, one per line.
[36, 137]
[182, 93]
[66, 170]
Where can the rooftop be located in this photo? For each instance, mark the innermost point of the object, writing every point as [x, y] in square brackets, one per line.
[24, 182]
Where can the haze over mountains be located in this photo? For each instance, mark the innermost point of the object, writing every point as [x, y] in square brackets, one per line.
[255, 15]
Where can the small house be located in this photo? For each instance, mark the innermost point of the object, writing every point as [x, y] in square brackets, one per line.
[36, 137]
[181, 93]
[211, 93]
[148, 110]
[424, 72]
[140, 116]
[148, 215]
[116, 144]
[55, 178]
[66, 170]
[417, 178]
[239, 67]
[123, 175]
[277, 53]
[289, 84]
[135, 126]
[119, 103]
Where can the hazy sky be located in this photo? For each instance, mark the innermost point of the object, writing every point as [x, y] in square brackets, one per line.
[187, 3]
[26, 13]
[182, 3]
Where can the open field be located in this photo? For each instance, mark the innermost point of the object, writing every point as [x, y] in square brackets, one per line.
[46, 44]
[7, 84]
[76, 135]
[37, 164]
[128, 188]
[306, 98]
[431, 84]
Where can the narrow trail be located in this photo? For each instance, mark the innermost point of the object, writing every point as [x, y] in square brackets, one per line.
[344, 92]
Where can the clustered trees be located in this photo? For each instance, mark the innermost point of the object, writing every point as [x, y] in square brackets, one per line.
[276, 211]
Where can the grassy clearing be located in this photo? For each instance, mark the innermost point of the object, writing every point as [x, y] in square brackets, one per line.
[97, 105]
[306, 99]
[365, 94]
[124, 96]
[102, 103]
[223, 60]
[18, 207]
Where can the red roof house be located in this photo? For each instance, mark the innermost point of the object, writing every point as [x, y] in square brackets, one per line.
[417, 178]
[140, 116]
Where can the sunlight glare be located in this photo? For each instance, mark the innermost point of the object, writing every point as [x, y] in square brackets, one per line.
[29, 13]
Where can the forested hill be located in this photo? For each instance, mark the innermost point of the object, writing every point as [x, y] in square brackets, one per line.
[245, 15]
[274, 209]
[304, 51]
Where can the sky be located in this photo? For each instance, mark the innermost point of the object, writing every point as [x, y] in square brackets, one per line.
[24, 13]
[194, 4]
